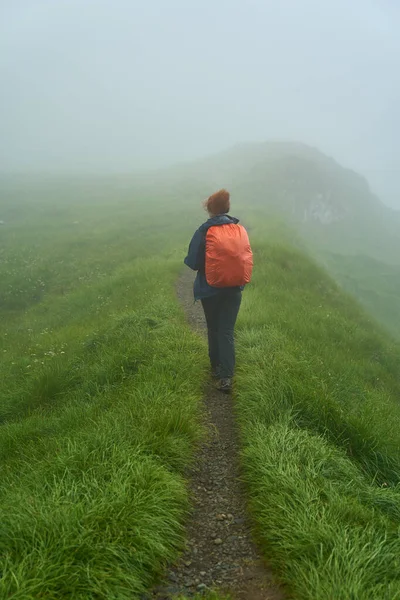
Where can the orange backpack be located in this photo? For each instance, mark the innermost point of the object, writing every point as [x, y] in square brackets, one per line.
[229, 259]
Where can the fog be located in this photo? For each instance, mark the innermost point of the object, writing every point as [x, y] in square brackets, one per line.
[118, 85]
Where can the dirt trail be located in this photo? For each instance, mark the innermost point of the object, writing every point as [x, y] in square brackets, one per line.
[220, 553]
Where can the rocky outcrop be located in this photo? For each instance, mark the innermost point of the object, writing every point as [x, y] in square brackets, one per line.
[321, 210]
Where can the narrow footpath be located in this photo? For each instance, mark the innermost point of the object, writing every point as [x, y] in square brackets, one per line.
[220, 553]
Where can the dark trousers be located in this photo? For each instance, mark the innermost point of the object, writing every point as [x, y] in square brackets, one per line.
[221, 311]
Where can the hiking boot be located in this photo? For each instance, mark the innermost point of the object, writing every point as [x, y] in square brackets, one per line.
[224, 385]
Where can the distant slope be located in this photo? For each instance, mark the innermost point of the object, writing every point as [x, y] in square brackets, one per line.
[331, 205]
[374, 283]
[339, 219]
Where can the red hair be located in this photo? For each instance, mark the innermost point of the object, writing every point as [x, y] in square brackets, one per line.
[218, 203]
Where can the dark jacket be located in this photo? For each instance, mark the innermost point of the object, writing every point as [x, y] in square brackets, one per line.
[196, 257]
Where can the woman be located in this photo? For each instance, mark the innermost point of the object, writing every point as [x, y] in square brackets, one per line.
[220, 302]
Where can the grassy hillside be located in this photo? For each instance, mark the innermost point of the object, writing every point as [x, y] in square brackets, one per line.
[374, 283]
[100, 382]
[329, 203]
[98, 417]
[331, 207]
[318, 401]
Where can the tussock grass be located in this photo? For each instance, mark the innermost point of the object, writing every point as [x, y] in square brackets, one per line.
[99, 414]
[100, 380]
[318, 400]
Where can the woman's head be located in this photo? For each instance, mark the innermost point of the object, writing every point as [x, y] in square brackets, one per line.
[218, 203]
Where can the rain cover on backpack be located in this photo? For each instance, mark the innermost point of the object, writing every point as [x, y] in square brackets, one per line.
[229, 259]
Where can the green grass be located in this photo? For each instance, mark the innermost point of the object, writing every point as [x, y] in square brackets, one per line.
[318, 402]
[375, 284]
[100, 388]
[100, 381]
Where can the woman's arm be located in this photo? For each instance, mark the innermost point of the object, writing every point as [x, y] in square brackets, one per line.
[196, 253]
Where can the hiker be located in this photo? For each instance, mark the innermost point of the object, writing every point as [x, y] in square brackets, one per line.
[220, 253]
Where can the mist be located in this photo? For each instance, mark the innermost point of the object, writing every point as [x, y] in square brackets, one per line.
[122, 85]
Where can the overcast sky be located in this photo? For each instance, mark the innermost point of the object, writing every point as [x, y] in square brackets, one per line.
[121, 84]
